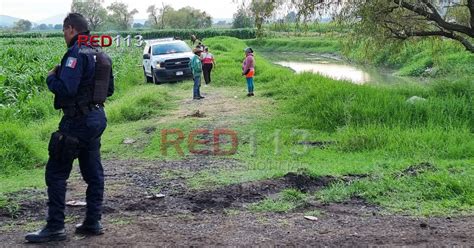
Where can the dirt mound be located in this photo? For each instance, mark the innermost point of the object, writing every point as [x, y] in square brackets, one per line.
[23, 203]
[415, 170]
[179, 198]
[238, 195]
[149, 130]
[133, 184]
[196, 114]
[307, 183]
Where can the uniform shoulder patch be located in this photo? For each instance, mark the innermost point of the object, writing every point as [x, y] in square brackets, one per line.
[71, 62]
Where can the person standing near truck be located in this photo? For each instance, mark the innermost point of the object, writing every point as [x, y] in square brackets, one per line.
[248, 69]
[196, 68]
[208, 63]
[80, 84]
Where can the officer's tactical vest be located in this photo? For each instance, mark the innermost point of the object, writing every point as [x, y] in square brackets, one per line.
[94, 92]
[103, 67]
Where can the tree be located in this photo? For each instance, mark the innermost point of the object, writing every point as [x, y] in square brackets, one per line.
[242, 18]
[22, 25]
[307, 9]
[297, 10]
[152, 15]
[158, 17]
[92, 10]
[147, 24]
[405, 19]
[164, 14]
[402, 19]
[43, 26]
[291, 17]
[261, 10]
[187, 17]
[137, 25]
[121, 16]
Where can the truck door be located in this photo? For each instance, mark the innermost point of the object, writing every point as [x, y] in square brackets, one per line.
[147, 62]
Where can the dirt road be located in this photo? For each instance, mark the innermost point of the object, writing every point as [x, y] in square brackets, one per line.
[133, 217]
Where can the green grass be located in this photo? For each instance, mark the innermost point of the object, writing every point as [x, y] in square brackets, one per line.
[375, 132]
[16, 181]
[139, 103]
[429, 57]
[325, 44]
[301, 29]
[23, 227]
[287, 200]
[314, 213]
[446, 190]
[22, 179]
[18, 149]
[121, 221]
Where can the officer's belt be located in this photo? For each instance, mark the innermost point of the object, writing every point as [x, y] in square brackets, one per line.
[81, 110]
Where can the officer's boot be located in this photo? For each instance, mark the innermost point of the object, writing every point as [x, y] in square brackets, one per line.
[46, 234]
[90, 228]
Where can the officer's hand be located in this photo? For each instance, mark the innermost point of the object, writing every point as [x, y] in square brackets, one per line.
[53, 71]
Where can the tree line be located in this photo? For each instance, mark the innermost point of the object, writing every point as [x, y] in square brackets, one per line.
[119, 17]
[25, 25]
[380, 19]
[166, 16]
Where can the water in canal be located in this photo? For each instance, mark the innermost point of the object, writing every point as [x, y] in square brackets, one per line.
[332, 66]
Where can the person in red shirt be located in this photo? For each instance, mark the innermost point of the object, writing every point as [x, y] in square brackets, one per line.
[208, 63]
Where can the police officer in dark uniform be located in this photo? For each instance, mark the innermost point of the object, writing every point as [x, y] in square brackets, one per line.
[78, 85]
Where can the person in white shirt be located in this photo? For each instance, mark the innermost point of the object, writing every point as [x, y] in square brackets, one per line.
[208, 63]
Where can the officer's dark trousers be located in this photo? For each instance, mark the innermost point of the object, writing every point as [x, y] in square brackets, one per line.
[206, 70]
[88, 129]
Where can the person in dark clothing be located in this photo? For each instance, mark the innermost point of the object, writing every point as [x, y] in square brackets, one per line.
[75, 86]
[208, 63]
[193, 39]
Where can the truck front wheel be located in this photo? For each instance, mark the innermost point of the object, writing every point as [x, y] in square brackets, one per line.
[147, 78]
[155, 80]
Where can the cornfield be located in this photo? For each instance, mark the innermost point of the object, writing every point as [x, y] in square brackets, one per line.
[26, 62]
[248, 33]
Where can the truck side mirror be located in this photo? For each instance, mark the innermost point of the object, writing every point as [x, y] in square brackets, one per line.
[146, 56]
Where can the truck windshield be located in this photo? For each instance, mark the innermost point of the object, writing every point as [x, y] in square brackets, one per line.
[170, 48]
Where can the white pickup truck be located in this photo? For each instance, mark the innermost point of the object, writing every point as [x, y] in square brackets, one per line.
[166, 60]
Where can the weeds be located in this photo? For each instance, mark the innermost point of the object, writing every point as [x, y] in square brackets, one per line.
[286, 201]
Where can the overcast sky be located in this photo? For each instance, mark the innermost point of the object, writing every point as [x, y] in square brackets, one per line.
[36, 10]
